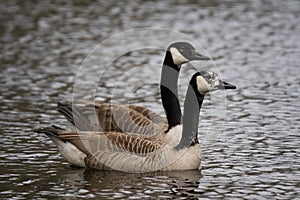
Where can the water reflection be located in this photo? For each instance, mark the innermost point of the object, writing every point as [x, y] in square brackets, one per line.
[124, 185]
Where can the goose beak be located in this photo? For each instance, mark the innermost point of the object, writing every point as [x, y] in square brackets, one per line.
[227, 85]
[198, 56]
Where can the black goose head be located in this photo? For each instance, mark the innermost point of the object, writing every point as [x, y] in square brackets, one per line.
[183, 52]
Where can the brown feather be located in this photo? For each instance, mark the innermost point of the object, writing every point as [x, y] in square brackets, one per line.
[134, 144]
[92, 142]
[122, 118]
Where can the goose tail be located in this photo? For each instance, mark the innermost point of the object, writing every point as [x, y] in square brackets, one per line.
[74, 116]
[69, 151]
[51, 131]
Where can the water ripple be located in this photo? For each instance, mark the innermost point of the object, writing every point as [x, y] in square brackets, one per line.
[254, 155]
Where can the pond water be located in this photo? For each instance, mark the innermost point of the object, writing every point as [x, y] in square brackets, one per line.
[253, 154]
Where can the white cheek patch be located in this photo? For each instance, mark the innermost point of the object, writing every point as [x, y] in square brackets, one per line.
[178, 58]
[202, 85]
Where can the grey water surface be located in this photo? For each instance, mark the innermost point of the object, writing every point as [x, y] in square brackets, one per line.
[252, 152]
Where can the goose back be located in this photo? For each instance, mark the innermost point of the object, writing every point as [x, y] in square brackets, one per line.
[107, 117]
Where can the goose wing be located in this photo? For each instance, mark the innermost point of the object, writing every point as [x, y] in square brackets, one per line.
[100, 116]
[154, 117]
[100, 146]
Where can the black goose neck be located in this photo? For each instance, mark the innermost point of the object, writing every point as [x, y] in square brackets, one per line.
[168, 89]
[169, 61]
[192, 106]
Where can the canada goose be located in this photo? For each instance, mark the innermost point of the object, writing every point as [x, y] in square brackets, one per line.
[180, 149]
[137, 119]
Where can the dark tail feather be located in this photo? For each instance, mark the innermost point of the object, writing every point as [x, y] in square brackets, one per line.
[50, 131]
[73, 115]
[66, 110]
